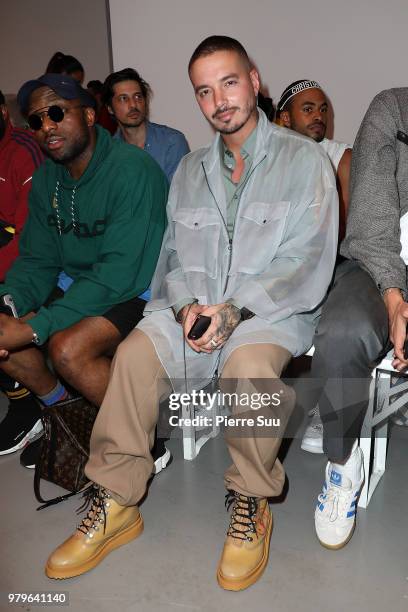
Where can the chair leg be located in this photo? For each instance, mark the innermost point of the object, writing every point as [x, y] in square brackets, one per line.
[380, 448]
[380, 389]
[381, 430]
[365, 445]
[189, 435]
[365, 442]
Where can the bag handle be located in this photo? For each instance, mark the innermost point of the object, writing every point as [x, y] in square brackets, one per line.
[46, 502]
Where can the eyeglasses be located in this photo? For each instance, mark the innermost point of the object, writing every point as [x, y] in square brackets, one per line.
[55, 113]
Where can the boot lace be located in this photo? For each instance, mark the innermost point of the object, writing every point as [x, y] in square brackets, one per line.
[242, 523]
[97, 497]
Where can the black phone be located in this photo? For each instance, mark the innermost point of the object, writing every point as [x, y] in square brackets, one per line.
[7, 306]
[200, 326]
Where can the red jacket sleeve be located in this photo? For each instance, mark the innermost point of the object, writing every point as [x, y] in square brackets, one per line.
[22, 177]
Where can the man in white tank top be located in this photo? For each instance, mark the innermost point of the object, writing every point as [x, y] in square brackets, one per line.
[303, 108]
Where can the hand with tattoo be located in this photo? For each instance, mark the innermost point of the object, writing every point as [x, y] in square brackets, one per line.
[187, 317]
[224, 319]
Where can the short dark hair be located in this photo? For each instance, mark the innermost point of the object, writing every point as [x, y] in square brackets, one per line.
[64, 64]
[288, 108]
[127, 74]
[288, 94]
[215, 43]
[96, 86]
[286, 105]
[2, 98]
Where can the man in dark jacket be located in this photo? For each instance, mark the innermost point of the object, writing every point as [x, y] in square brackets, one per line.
[366, 310]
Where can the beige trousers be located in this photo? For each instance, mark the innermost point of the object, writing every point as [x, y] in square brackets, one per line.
[123, 433]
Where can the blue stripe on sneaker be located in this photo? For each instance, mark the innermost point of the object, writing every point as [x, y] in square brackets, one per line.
[351, 513]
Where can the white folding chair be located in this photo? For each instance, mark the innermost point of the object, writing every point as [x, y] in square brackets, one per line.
[374, 434]
[192, 440]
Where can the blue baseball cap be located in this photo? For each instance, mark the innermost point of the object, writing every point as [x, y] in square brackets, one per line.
[63, 85]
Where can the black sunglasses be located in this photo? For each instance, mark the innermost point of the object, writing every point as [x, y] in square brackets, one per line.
[54, 112]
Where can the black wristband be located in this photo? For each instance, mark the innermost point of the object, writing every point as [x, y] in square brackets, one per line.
[246, 314]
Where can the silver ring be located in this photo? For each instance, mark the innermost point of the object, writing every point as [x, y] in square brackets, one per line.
[213, 343]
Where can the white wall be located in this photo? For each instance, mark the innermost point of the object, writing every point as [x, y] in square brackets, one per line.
[32, 30]
[354, 48]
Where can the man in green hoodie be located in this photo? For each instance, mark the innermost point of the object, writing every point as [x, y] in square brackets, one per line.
[97, 211]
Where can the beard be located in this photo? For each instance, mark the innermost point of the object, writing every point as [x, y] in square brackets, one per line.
[72, 149]
[133, 122]
[238, 124]
[317, 137]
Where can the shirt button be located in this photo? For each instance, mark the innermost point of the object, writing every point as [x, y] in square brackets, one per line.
[235, 197]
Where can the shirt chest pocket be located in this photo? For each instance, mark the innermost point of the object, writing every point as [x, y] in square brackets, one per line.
[197, 233]
[261, 229]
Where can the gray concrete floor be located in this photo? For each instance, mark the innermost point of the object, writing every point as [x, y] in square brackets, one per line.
[172, 566]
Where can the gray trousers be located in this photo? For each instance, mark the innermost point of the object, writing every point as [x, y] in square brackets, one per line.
[350, 340]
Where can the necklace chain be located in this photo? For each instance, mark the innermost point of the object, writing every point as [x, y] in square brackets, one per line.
[72, 209]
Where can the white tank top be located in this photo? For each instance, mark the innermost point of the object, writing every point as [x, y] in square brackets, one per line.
[334, 150]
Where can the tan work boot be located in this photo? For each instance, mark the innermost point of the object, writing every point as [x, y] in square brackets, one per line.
[246, 547]
[106, 527]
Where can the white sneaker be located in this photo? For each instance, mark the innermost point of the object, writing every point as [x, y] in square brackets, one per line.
[162, 461]
[312, 441]
[335, 514]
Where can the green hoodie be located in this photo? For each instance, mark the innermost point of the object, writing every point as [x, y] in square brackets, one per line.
[104, 230]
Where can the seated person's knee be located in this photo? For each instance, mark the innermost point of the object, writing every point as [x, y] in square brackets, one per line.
[64, 352]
